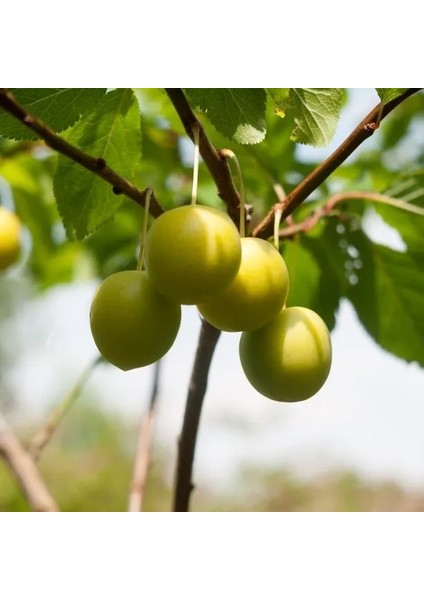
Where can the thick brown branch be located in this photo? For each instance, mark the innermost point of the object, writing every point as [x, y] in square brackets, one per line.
[25, 471]
[363, 131]
[142, 457]
[94, 164]
[208, 339]
[216, 164]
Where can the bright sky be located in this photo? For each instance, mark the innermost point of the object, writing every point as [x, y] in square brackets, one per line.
[368, 417]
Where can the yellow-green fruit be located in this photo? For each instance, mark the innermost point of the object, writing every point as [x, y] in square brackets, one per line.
[192, 252]
[132, 324]
[10, 229]
[288, 359]
[256, 294]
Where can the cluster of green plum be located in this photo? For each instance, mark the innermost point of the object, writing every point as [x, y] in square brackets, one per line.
[194, 255]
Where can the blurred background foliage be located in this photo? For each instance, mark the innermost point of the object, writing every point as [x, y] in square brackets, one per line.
[88, 465]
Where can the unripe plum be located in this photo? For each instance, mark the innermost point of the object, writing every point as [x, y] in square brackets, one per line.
[192, 252]
[10, 229]
[288, 359]
[132, 324]
[256, 294]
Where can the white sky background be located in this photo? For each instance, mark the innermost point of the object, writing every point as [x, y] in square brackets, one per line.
[368, 417]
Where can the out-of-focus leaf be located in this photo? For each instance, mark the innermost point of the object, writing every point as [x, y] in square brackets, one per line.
[388, 297]
[410, 188]
[387, 94]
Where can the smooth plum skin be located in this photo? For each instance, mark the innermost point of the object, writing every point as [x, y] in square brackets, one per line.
[256, 294]
[192, 252]
[288, 359]
[132, 324]
[10, 229]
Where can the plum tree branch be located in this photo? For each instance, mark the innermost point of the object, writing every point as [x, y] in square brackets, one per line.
[94, 164]
[142, 457]
[25, 471]
[362, 132]
[208, 339]
[214, 160]
[44, 435]
[323, 211]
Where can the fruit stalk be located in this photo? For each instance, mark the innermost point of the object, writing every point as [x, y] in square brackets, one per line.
[216, 164]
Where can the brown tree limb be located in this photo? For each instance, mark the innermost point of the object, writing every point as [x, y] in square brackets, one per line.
[94, 164]
[44, 435]
[142, 457]
[323, 211]
[208, 339]
[363, 131]
[25, 471]
[215, 162]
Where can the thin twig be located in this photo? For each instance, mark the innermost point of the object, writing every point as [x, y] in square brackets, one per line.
[323, 211]
[363, 131]
[25, 471]
[142, 457]
[208, 339]
[45, 434]
[94, 164]
[215, 163]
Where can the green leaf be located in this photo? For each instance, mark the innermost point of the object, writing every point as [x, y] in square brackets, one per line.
[239, 114]
[316, 268]
[387, 94]
[59, 108]
[280, 96]
[410, 188]
[316, 112]
[388, 297]
[111, 132]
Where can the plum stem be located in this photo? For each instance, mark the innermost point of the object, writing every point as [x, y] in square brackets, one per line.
[242, 219]
[196, 136]
[277, 220]
[149, 193]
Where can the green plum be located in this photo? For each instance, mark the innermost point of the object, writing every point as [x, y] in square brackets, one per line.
[256, 294]
[192, 252]
[288, 359]
[10, 228]
[132, 324]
